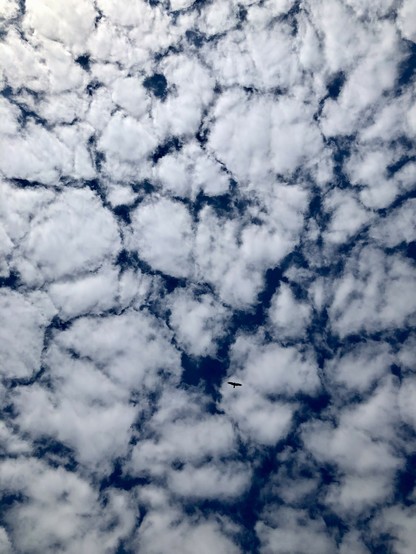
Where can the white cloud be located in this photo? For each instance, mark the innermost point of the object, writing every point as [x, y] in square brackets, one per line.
[162, 234]
[83, 408]
[130, 94]
[362, 447]
[258, 121]
[90, 294]
[391, 121]
[398, 522]
[378, 415]
[258, 419]
[136, 287]
[188, 440]
[233, 253]
[62, 508]
[278, 135]
[217, 17]
[352, 543]
[6, 247]
[89, 420]
[23, 319]
[46, 65]
[263, 59]
[131, 348]
[288, 316]
[367, 169]
[180, 4]
[40, 155]
[191, 171]
[351, 449]
[12, 444]
[118, 194]
[273, 369]
[165, 530]
[17, 207]
[100, 109]
[127, 139]
[359, 368]
[356, 494]
[348, 216]
[372, 76]
[130, 34]
[74, 234]
[372, 9]
[406, 400]
[5, 543]
[63, 108]
[70, 22]
[374, 293]
[396, 227]
[406, 354]
[296, 480]
[198, 322]
[181, 113]
[220, 262]
[29, 72]
[288, 530]
[344, 37]
[406, 15]
[9, 114]
[210, 481]
[8, 9]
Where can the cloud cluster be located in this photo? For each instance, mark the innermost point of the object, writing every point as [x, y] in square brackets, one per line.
[191, 193]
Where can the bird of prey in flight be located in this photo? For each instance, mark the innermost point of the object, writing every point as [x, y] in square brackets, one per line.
[234, 384]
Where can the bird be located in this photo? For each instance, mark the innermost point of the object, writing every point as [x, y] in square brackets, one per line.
[234, 384]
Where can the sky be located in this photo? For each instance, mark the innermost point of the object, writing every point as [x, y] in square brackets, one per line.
[191, 192]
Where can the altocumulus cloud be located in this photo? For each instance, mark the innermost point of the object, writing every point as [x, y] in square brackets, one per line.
[191, 192]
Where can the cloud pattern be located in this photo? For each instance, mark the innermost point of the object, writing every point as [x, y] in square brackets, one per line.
[193, 191]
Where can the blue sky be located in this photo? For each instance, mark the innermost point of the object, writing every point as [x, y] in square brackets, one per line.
[193, 192]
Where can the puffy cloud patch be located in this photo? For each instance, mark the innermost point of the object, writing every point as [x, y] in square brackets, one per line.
[191, 171]
[127, 139]
[182, 111]
[210, 481]
[233, 256]
[406, 14]
[373, 294]
[398, 522]
[62, 508]
[348, 216]
[189, 441]
[93, 293]
[273, 369]
[42, 156]
[288, 316]
[133, 348]
[23, 319]
[165, 528]
[71, 22]
[198, 322]
[74, 234]
[362, 366]
[278, 135]
[372, 76]
[262, 421]
[162, 235]
[406, 401]
[287, 530]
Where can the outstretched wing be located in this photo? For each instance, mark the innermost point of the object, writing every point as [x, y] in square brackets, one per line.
[234, 384]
